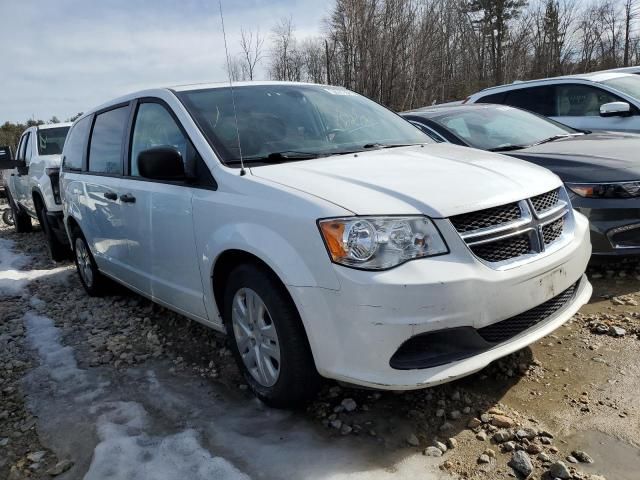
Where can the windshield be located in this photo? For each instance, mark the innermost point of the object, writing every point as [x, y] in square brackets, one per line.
[491, 128]
[628, 84]
[51, 140]
[281, 122]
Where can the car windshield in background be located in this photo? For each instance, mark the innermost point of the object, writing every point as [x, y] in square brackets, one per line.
[51, 140]
[501, 127]
[628, 84]
[294, 122]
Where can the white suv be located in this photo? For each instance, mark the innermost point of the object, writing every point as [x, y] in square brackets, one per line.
[325, 234]
[33, 188]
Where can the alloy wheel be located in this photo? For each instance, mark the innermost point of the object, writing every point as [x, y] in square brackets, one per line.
[83, 260]
[256, 337]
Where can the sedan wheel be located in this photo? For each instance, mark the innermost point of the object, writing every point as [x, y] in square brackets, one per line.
[83, 260]
[256, 337]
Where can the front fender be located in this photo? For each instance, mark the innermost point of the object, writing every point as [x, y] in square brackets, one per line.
[297, 261]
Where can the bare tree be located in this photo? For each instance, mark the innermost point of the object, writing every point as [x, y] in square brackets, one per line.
[251, 52]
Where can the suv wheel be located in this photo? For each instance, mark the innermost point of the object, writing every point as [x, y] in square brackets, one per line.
[7, 217]
[267, 338]
[92, 280]
[57, 249]
[21, 220]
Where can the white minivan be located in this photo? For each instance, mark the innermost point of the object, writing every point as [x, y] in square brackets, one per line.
[325, 234]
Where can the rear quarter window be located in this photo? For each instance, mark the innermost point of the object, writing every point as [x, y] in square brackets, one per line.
[74, 147]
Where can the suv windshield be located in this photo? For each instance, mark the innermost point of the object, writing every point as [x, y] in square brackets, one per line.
[294, 122]
[629, 84]
[501, 127]
[51, 140]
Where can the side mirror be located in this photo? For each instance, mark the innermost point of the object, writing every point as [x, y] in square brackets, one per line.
[615, 109]
[161, 163]
[7, 162]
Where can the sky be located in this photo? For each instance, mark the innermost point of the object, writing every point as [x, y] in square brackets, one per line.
[66, 56]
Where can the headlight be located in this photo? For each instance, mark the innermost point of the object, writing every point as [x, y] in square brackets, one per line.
[606, 190]
[379, 243]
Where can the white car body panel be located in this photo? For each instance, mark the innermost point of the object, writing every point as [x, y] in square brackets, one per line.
[22, 187]
[167, 243]
[421, 180]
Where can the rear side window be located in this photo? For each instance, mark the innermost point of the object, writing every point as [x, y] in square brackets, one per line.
[539, 100]
[493, 98]
[105, 148]
[73, 153]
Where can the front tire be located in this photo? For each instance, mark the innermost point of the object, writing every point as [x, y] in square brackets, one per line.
[267, 338]
[95, 284]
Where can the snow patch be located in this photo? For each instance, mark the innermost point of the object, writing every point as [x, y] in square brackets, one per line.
[126, 448]
[126, 451]
[12, 279]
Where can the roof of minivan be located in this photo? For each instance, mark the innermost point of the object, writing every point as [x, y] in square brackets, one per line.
[53, 125]
[190, 87]
[202, 86]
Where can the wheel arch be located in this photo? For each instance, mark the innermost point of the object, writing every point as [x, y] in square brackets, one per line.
[231, 258]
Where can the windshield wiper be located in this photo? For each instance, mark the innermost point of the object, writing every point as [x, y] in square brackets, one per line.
[388, 145]
[552, 139]
[508, 148]
[279, 157]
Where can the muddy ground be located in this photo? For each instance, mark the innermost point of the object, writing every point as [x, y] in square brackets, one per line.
[118, 387]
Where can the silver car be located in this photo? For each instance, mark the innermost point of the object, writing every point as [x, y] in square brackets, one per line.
[607, 100]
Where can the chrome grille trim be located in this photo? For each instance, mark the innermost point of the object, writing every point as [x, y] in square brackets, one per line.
[535, 224]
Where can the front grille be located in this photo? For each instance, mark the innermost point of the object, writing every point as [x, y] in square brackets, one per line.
[489, 217]
[552, 231]
[504, 249]
[544, 202]
[509, 328]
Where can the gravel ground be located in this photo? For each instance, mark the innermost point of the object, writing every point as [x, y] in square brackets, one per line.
[118, 387]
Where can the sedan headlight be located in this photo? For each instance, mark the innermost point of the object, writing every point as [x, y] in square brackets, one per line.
[606, 190]
[379, 243]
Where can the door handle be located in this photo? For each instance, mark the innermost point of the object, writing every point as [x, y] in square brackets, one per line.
[110, 195]
[127, 198]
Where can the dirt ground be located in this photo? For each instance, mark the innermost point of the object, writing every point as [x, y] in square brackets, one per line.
[117, 387]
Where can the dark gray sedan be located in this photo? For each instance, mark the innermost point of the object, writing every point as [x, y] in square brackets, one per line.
[600, 170]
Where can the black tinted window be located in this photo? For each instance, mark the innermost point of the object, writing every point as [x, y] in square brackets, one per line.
[493, 98]
[73, 152]
[536, 99]
[581, 100]
[105, 150]
[51, 140]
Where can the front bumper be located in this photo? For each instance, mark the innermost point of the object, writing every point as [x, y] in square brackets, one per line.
[614, 224]
[355, 332]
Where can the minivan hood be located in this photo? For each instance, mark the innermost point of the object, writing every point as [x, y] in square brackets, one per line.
[597, 157]
[438, 180]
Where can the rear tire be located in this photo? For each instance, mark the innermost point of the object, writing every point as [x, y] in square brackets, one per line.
[95, 284]
[21, 219]
[270, 344]
[7, 217]
[57, 250]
